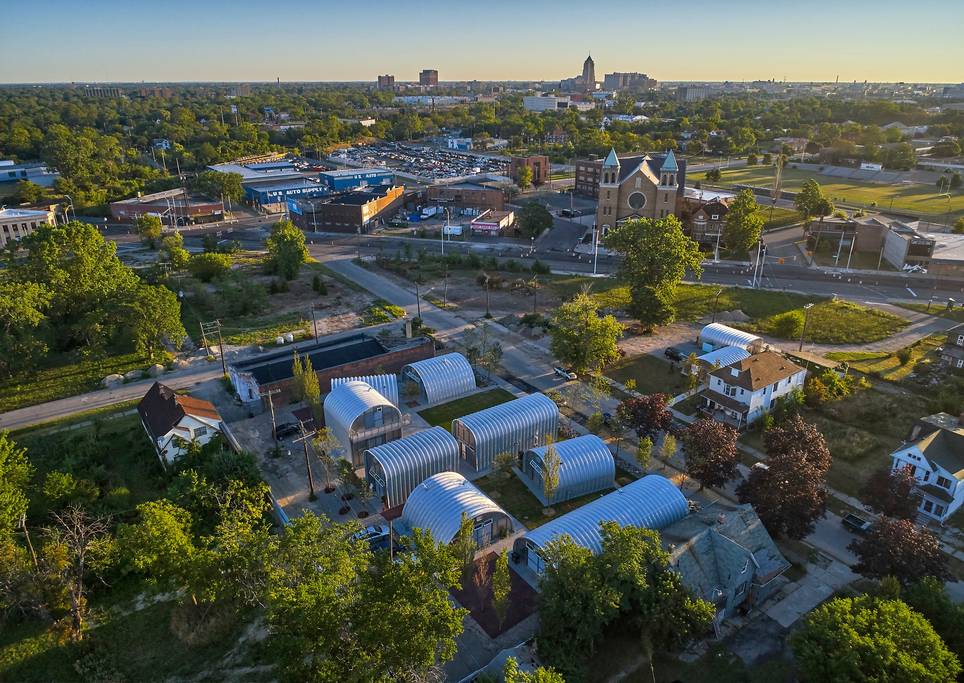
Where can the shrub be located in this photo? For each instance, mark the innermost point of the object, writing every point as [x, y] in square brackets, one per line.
[903, 355]
[205, 267]
[788, 325]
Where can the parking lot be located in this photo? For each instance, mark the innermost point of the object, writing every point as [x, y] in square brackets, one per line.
[425, 163]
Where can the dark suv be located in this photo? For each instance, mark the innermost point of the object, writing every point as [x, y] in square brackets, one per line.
[673, 353]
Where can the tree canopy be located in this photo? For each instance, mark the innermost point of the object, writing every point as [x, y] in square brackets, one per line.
[744, 223]
[582, 338]
[286, 244]
[711, 452]
[533, 218]
[899, 548]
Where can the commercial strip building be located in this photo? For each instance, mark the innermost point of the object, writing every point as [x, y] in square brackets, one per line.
[395, 469]
[438, 504]
[492, 222]
[512, 427]
[360, 418]
[273, 196]
[173, 207]
[355, 212]
[441, 378]
[33, 171]
[466, 196]
[348, 179]
[15, 224]
[586, 465]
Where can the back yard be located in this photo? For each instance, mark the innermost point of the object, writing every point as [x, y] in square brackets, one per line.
[516, 499]
[443, 414]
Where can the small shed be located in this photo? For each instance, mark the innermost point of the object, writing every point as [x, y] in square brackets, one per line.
[361, 418]
[586, 465]
[514, 427]
[722, 357]
[438, 503]
[441, 378]
[386, 385]
[717, 336]
[652, 502]
[394, 469]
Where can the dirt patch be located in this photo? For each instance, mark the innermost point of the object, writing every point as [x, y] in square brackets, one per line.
[475, 595]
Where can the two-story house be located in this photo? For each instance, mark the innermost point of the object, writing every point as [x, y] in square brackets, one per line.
[935, 454]
[740, 393]
[953, 352]
[174, 421]
[706, 224]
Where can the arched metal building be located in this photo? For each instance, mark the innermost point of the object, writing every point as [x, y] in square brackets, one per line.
[722, 357]
[394, 469]
[361, 418]
[386, 385]
[438, 503]
[585, 465]
[441, 378]
[514, 426]
[715, 336]
[652, 502]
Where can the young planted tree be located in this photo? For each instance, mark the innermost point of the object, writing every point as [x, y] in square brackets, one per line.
[311, 389]
[668, 448]
[711, 452]
[325, 443]
[523, 178]
[504, 462]
[893, 493]
[900, 548]
[464, 546]
[297, 377]
[501, 587]
[644, 454]
[550, 472]
[581, 338]
[646, 415]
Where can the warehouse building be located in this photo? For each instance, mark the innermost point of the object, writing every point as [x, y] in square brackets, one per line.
[33, 171]
[273, 196]
[361, 418]
[717, 336]
[394, 469]
[652, 502]
[356, 212]
[586, 465]
[513, 427]
[442, 378]
[438, 503]
[466, 196]
[386, 385]
[348, 179]
[174, 207]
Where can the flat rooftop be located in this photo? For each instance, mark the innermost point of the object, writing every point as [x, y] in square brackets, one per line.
[349, 172]
[279, 365]
[21, 213]
[947, 246]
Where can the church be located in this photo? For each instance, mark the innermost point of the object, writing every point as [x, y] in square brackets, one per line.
[639, 186]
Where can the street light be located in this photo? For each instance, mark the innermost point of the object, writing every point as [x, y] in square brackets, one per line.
[806, 319]
[716, 302]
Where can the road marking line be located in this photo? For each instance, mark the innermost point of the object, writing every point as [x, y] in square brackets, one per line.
[911, 292]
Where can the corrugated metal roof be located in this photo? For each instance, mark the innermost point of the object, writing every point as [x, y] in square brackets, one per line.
[386, 385]
[716, 334]
[436, 505]
[724, 356]
[651, 502]
[347, 403]
[585, 465]
[512, 426]
[444, 377]
[397, 467]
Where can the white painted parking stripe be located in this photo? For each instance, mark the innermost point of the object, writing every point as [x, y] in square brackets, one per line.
[911, 292]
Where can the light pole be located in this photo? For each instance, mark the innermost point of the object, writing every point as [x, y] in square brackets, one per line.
[595, 248]
[716, 302]
[806, 319]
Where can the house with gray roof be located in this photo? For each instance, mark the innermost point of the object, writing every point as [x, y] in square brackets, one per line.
[934, 453]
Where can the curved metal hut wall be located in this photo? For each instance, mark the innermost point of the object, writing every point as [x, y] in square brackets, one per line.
[586, 465]
[514, 426]
[394, 469]
[438, 503]
[652, 502]
[386, 385]
[724, 356]
[716, 335]
[442, 378]
[357, 414]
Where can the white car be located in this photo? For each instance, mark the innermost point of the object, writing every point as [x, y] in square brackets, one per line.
[565, 374]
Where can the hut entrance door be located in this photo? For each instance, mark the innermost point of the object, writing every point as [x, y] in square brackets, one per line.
[482, 533]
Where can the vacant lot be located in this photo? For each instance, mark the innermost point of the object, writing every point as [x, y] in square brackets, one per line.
[650, 373]
[779, 218]
[839, 322]
[939, 310]
[516, 499]
[888, 366]
[443, 414]
[911, 197]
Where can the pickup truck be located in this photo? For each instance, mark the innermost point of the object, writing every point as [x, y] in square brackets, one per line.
[856, 524]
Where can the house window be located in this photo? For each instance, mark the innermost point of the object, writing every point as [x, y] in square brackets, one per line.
[928, 506]
[200, 431]
[960, 340]
[943, 482]
[939, 510]
[729, 390]
[715, 217]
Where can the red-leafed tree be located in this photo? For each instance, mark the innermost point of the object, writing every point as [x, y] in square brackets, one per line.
[899, 548]
[647, 415]
[710, 449]
[789, 492]
[892, 492]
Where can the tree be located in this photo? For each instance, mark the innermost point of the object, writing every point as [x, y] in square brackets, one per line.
[149, 227]
[870, 639]
[668, 448]
[644, 453]
[325, 443]
[744, 223]
[504, 462]
[501, 587]
[29, 192]
[154, 317]
[810, 201]
[581, 338]
[480, 350]
[928, 597]
[533, 219]
[161, 545]
[22, 313]
[217, 185]
[646, 415]
[711, 452]
[15, 474]
[310, 389]
[551, 464]
[656, 255]
[512, 674]
[523, 178]
[207, 266]
[286, 245]
[464, 545]
[789, 493]
[713, 175]
[893, 493]
[959, 226]
[899, 548]
[173, 251]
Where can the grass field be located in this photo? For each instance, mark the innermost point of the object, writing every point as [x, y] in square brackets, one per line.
[651, 374]
[840, 322]
[512, 495]
[915, 198]
[780, 218]
[939, 310]
[887, 366]
[443, 414]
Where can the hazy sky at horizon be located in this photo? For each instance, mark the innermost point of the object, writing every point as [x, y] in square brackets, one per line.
[319, 40]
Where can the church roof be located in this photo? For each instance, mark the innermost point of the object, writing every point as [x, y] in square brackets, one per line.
[612, 159]
[669, 164]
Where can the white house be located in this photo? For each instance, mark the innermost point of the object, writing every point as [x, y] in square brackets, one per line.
[935, 454]
[173, 421]
[740, 393]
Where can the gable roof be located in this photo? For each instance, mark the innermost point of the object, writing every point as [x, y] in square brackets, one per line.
[945, 448]
[161, 409]
[758, 371]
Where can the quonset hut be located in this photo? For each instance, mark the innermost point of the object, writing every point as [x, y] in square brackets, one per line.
[652, 502]
[716, 336]
[438, 503]
[361, 418]
[586, 465]
[514, 427]
[394, 469]
[441, 378]
[721, 358]
[386, 385]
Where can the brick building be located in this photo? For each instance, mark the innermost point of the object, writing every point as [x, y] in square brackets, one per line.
[386, 82]
[538, 163]
[428, 77]
[705, 224]
[639, 186]
[175, 206]
[348, 212]
[466, 196]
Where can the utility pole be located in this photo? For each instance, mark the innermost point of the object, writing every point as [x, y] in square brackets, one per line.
[418, 302]
[595, 248]
[806, 319]
[274, 427]
[716, 302]
[304, 442]
[314, 323]
[211, 328]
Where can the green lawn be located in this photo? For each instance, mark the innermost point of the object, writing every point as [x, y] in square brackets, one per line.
[915, 198]
[939, 310]
[443, 414]
[840, 322]
[780, 218]
[513, 495]
[887, 366]
[652, 375]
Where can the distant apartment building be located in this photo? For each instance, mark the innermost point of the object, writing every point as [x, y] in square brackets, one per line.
[541, 103]
[428, 77]
[156, 92]
[15, 224]
[692, 93]
[101, 91]
[538, 163]
[240, 90]
[625, 80]
[386, 82]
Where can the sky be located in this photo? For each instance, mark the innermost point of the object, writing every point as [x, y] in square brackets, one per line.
[344, 40]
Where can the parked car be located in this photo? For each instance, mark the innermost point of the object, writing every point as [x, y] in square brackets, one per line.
[674, 353]
[565, 374]
[856, 524]
[375, 535]
[286, 429]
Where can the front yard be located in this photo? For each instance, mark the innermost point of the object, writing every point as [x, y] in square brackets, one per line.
[515, 498]
[651, 374]
[443, 414]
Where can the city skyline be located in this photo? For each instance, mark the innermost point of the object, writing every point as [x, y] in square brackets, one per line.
[107, 41]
